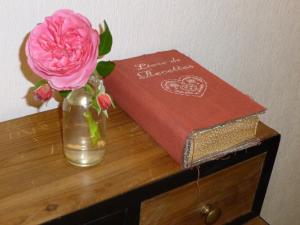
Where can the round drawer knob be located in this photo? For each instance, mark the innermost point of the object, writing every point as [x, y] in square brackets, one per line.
[211, 214]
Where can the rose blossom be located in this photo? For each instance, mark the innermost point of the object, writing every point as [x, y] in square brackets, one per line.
[43, 93]
[63, 50]
[104, 101]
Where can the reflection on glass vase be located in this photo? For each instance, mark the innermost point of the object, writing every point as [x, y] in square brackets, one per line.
[83, 130]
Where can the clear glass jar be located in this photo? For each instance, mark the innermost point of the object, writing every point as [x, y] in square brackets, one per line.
[83, 130]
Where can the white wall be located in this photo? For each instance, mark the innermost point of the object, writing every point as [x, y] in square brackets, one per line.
[253, 44]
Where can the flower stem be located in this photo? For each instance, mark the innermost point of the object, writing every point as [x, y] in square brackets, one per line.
[93, 127]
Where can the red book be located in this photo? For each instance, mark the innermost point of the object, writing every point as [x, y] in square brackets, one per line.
[190, 112]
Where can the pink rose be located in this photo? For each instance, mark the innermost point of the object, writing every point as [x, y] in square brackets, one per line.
[63, 50]
[43, 93]
[104, 101]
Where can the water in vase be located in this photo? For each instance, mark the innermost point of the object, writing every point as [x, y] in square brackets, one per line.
[79, 148]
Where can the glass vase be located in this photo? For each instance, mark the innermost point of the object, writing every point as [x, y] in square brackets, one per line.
[83, 130]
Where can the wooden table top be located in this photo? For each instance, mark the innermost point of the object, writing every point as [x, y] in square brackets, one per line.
[257, 221]
[37, 184]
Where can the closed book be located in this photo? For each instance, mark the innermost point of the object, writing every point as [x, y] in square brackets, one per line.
[193, 114]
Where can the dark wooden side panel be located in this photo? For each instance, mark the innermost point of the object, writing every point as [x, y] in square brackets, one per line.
[113, 219]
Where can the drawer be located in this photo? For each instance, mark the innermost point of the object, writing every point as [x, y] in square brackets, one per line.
[230, 191]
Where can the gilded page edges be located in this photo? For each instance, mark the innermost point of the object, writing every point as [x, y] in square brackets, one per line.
[208, 144]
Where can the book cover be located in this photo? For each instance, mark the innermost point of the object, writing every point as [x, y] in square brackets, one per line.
[175, 99]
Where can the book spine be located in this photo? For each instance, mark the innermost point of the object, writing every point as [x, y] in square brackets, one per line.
[148, 112]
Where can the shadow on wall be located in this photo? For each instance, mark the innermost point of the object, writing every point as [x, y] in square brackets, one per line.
[30, 76]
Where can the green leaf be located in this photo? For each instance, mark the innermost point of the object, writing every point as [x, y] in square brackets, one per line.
[105, 41]
[93, 127]
[40, 83]
[89, 89]
[64, 93]
[104, 68]
[95, 105]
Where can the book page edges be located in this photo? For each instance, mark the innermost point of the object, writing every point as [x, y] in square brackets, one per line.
[206, 144]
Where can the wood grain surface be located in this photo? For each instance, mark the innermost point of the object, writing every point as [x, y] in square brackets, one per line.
[232, 190]
[37, 184]
[257, 221]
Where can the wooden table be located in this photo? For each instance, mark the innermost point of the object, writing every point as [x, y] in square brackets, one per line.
[38, 185]
[257, 221]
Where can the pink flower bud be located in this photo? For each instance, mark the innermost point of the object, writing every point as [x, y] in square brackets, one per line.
[104, 101]
[43, 93]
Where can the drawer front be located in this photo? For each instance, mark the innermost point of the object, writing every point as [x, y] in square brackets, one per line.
[231, 191]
